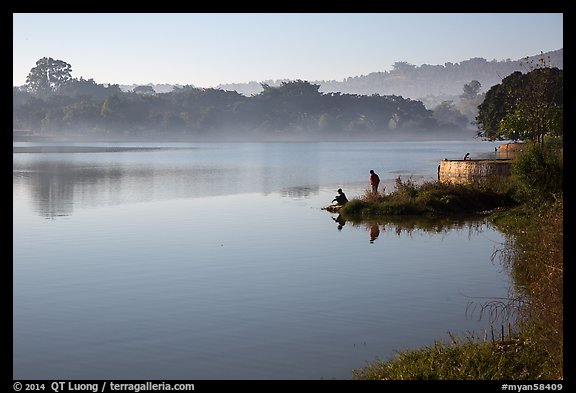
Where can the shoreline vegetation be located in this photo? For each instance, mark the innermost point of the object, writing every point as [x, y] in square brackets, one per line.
[528, 208]
[431, 198]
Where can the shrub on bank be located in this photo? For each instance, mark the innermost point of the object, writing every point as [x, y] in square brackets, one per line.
[538, 172]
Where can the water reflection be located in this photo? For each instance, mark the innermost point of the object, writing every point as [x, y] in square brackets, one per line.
[69, 178]
[498, 310]
[408, 225]
[374, 231]
[340, 220]
[57, 187]
[300, 192]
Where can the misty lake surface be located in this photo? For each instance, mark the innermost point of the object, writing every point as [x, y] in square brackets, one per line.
[215, 261]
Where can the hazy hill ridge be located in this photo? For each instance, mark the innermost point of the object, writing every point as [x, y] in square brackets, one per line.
[405, 79]
[417, 82]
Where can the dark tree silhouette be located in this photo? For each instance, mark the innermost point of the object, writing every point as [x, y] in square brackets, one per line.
[523, 107]
[48, 76]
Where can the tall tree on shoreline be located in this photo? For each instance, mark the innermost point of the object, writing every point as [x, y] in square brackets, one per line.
[48, 76]
[524, 106]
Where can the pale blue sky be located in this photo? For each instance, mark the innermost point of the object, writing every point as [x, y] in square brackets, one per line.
[206, 49]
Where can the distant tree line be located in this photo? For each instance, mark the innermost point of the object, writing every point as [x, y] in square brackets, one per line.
[52, 102]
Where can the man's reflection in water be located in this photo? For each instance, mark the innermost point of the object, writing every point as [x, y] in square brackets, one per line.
[341, 221]
[374, 232]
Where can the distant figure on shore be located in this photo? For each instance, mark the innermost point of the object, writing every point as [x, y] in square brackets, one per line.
[340, 199]
[374, 181]
[466, 156]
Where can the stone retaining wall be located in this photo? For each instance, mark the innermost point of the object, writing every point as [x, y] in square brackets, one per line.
[510, 150]
[466, 171]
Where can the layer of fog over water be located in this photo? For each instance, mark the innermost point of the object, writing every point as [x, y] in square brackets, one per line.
[215, 261]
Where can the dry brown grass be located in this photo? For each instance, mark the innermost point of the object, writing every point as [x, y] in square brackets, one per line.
[536, 262]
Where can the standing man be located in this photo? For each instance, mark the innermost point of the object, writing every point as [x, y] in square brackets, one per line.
[374, 181]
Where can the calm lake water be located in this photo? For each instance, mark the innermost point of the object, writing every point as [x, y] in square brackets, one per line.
[215, 261]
